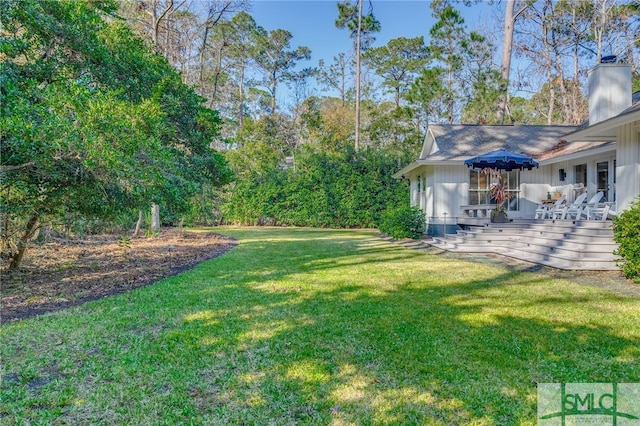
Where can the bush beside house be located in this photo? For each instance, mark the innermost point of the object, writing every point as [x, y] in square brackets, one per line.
[626, 232]
[403, 222]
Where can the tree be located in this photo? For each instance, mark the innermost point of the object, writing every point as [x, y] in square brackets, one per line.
[395, 129]
[537, 107]
[426, 94]
[574, 22]
[241, 50]
[555, 36]
[398, 63]
[484, 81]
[542, 46]
[275, 60]
[327, 124]
[448, 40]
[334, 76]
[510, 17]
[361, 29]
[93, 123]
[155, 20]
[217, 12]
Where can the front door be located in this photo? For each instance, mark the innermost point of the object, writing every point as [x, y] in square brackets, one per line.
[602, 170]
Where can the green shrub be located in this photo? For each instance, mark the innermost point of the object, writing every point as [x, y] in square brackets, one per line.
[403, 222]
[626, 232]
[329, 190]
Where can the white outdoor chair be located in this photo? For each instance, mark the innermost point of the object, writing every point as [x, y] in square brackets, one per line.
[543, 212]
[592, 203]
[601, 211]
[570, 210]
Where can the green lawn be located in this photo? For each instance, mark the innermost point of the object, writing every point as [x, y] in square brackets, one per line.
[299, 326]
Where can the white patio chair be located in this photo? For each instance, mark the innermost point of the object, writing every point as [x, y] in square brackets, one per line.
[543, 212]
[592, 203]
[601, 211]
[570, 210]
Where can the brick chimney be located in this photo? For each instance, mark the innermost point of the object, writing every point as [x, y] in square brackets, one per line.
[609, 90]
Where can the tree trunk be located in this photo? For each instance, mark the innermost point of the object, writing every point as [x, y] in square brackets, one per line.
[23, 242]
[358, 42]
[505, 67]
[138, 223]
[507, 49]
[157, 19]
[343, 79]
[241, 96]
[450, 94]
[216, 76]
[566, 105]
[274, 87]
[549, 64]
[202, 49]
[576, 111]
[600, 28]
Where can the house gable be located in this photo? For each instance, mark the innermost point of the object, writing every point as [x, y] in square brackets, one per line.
[430, 145]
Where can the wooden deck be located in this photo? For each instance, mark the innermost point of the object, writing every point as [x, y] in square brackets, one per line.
[563, 244]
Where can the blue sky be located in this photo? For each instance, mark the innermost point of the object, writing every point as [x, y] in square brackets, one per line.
[312, 22]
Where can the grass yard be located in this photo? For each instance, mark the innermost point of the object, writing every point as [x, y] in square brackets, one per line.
[299, 326]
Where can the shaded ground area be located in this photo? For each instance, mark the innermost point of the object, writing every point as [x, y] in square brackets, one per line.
[63, 273]
[609, 280]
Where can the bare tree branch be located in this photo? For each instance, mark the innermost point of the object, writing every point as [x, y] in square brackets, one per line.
[5, 169]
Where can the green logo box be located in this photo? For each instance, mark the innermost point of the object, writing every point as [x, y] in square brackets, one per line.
[569, 404]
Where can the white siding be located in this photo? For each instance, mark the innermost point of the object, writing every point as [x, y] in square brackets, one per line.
[628, 165]
[451, 190]
[413, 190]
[421, 189]
[609, 91]
[535, 184]
[440, 189]
[429, 191]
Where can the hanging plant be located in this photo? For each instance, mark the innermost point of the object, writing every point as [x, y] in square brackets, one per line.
[497, 191]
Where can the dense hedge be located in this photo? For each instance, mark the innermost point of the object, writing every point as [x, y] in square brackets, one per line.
[626, 232]
[346, 190]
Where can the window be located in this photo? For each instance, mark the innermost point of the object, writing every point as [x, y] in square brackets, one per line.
[479, 184]
[580, 174]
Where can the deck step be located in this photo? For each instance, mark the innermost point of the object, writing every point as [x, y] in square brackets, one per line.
[563, 244]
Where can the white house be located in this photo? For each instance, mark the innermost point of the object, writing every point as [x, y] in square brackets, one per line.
[601, 155]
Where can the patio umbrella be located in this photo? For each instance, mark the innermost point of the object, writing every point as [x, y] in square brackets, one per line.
[502, 159]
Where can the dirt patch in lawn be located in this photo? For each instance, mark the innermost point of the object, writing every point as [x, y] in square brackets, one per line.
[62, 273]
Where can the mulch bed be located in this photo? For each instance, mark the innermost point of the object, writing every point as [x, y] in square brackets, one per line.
[62, 273]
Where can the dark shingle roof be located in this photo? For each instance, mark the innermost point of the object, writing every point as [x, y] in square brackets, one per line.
[462, 141]
[635, 103]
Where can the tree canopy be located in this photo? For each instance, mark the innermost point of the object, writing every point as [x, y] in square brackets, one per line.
[108, 106]
[93, 122]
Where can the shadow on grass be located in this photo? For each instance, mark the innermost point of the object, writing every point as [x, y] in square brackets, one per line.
[429, 353]
[321, 327]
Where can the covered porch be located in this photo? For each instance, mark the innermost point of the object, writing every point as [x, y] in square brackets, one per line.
[453, 197]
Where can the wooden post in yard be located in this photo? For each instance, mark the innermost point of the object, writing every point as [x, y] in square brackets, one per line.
[155, 217]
